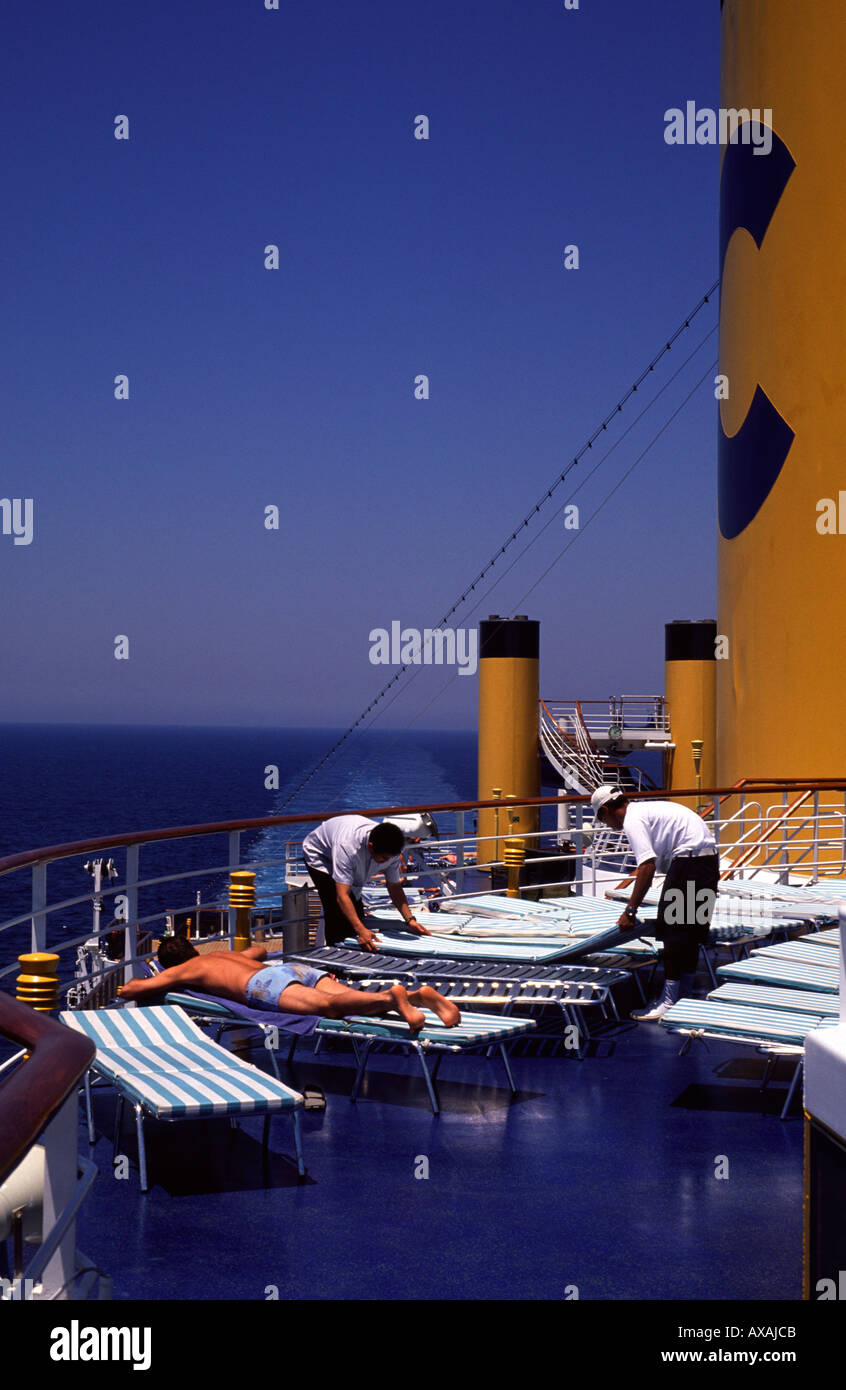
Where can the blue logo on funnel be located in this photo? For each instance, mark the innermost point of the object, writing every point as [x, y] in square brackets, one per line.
[751, 460]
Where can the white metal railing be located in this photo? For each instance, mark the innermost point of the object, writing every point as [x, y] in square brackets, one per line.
[804, 835]
[768, 834]
[566, 742]
[618, 717]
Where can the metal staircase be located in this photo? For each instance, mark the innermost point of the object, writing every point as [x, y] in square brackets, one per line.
[571, 740]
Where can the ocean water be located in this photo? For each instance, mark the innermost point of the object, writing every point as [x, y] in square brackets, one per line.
[67, 783]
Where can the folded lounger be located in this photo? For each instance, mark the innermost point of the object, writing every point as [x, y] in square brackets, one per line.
[480, 982]
[774, 1032]
[735, 904]
[805, 903]
[348, 961]
[483, 941]
[490, 927]
[167, 1068]
[475, 1031]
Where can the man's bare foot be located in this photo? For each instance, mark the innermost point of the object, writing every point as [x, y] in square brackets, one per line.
[429, 997]
[415, 1018]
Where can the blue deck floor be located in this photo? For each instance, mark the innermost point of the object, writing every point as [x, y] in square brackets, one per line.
[599, 1174]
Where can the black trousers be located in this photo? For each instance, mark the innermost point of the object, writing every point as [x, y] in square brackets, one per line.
[684, 914]
[335, 925]
[685, 911]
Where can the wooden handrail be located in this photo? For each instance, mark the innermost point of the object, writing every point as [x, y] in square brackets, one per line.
[35, 1090]
[712, 806]
[767, 784]
[45, 855]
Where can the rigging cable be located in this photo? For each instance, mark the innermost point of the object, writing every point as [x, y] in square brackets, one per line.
[383, 752]
[544, 499]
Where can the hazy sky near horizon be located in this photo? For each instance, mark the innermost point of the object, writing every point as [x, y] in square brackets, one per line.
[294, 387]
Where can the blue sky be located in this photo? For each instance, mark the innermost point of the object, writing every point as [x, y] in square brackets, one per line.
[294, 387]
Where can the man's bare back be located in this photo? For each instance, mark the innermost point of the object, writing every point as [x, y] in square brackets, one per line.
[224, 973]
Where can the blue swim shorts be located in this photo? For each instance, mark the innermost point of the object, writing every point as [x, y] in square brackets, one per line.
[264, 988]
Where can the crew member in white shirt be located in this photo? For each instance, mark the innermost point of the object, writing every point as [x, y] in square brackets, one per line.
[676, 841]
[341, 854]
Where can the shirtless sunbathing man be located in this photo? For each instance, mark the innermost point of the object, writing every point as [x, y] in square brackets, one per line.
[290, 988]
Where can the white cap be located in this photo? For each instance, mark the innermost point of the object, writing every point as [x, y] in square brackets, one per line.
[603, 796]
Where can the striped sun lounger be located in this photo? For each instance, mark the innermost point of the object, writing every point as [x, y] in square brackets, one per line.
[774, 1032]
[475, 1032]
[775, 970]
[492, 928]
[584, 983]
[809, 904]
[802, 1001]
[165, 1066]
[572, 987]
[829, 937]
[803, 952]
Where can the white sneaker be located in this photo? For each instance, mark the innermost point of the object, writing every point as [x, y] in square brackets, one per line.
[653, 1014]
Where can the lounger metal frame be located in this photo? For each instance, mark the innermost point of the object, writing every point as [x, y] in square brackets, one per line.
[421, 1049]
[580, 985]
[362, 1040]
[141, 1106]
[483, 984]
[772, 1052]
[772, 1049]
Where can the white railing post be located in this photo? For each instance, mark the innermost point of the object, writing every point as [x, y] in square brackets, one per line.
[579, 866]
[60, 1151]
[816, 835]
[130, 931]
[39, 902]
[459, 850]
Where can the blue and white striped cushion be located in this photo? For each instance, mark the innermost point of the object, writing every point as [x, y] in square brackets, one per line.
[159, 1057]
[802, 953]
[464, 948]
[800, 1001]
[775, 971]
[473, 1030]
[556, 910]
[759, 1025]
[829, 937]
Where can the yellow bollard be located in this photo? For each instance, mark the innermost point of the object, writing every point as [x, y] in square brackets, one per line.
[515, 853]
[37, 983]
[242, 896]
